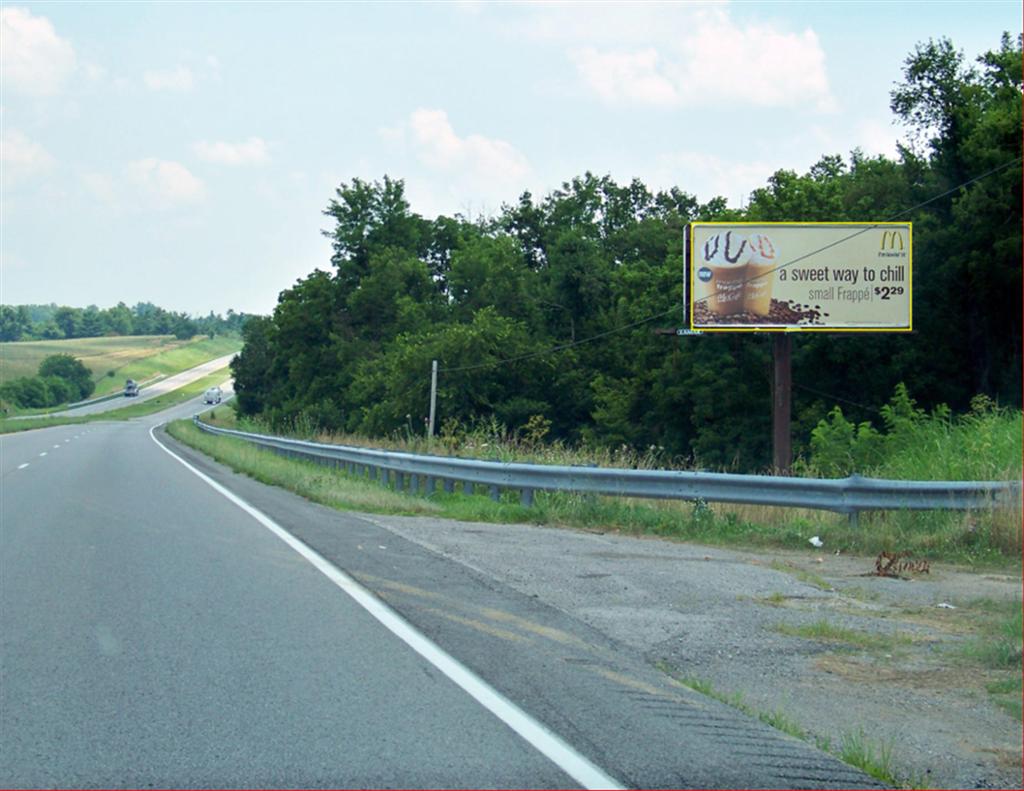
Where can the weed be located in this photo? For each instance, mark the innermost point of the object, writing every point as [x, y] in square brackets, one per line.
[826, 632]
[873, 758]
[808, 577]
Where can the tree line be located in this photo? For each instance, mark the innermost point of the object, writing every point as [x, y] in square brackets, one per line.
[53, 322]
[547, 312]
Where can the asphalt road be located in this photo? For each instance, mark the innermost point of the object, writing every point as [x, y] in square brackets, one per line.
[152, 390]
[154, 632]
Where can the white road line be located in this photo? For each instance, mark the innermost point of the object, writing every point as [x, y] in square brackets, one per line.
[549, 744]
[42, 454]
[56, 447]
[22, 466]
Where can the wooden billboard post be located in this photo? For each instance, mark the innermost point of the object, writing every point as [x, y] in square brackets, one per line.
[782, 391]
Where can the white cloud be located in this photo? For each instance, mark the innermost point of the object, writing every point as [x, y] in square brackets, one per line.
[100, 186]
[179, 79]
[756, 63]
[625, 76]
[687, 55]
[250, 152]
[877, 137]
[22, 158]
[166, 183]
[34, 60]
[707, 176]
[475, 156]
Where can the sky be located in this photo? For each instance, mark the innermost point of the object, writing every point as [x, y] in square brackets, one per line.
[183, 153]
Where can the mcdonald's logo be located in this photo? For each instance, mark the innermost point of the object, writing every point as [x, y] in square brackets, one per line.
[891, 239]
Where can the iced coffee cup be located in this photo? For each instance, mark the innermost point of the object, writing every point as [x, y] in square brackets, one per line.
[757, 296]
[723, 272]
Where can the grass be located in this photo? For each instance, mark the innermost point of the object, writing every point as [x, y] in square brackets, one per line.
[807, 577]
[824, 631]
[161, 402]
[100, 355]
[873, 758]
[170, 361]
[934, 536]
[996, 648]
[855, 748]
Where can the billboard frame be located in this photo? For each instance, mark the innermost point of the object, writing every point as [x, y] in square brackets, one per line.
[690, 276]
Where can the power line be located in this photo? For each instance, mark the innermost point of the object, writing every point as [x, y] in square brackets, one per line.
[898, 215]
[833, 397]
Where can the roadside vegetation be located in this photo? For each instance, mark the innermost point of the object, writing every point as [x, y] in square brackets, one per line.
[560, 310]
[169, 361]
[990, 537]
[854, 747]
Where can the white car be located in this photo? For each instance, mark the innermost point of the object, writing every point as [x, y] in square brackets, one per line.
[212, 395]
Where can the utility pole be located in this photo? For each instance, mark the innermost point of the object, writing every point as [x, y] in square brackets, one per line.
[433, 398]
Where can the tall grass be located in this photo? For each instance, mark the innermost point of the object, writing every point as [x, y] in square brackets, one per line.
[934, 536]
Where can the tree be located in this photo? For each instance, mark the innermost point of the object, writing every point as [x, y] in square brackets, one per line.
[71, 370]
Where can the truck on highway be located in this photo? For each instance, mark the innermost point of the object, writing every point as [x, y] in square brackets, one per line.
[212, 395]
[131, 388]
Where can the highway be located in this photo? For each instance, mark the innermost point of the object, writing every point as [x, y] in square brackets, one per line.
[151, 391]
[165, 622]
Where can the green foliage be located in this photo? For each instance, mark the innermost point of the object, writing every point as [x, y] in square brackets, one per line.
[50, 322]
[838, 447]
[548, 308]
[73, 371]
[984, 444]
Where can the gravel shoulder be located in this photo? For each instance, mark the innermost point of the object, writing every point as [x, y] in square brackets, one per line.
[733, 618]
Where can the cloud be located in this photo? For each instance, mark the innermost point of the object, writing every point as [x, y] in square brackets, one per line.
[707, 175]
[250, 152]
[690, 55]
[179, 79]
[474, 156]
[625, 76]
[22, 158]
[34, 59]
[877, 137]
[165, 183]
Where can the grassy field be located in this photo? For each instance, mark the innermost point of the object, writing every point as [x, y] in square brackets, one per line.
[112, 360]
[98, 354]
[987, 537]
[169, 361]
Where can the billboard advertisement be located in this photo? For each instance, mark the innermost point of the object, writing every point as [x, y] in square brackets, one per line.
[834, 277]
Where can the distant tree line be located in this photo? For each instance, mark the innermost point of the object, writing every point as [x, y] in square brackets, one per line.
[52, 322]
[596, 261]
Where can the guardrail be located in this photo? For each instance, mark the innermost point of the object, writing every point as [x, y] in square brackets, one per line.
[420, 473]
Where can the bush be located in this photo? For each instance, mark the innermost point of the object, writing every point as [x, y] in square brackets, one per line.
[68, 368]
[984, 444]
[59, 391]
[27, 391]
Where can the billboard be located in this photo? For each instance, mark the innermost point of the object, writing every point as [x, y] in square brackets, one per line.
[835, 277]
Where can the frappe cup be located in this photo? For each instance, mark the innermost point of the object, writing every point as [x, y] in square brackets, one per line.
[724, 271]
[757, 297]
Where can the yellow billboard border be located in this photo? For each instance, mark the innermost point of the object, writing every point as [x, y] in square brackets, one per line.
[770, 328]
